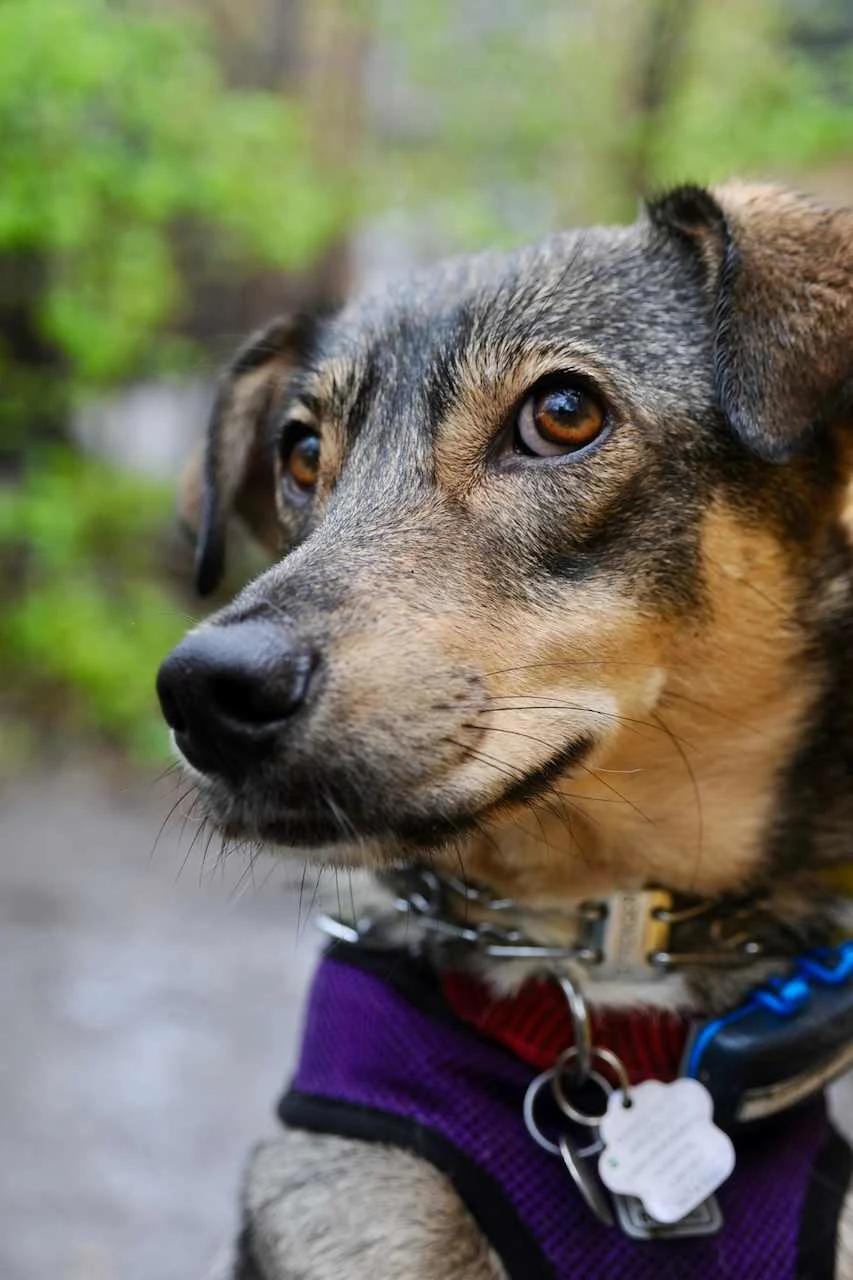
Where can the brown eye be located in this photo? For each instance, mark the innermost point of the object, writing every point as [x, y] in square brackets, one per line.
[300, 463]
[559, 420]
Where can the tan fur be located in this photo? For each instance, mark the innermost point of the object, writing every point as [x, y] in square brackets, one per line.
[680, 794]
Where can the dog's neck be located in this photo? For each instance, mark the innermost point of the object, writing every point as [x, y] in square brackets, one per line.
[690, 801]
[690, 813]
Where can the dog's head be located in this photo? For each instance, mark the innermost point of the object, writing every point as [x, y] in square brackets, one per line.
[561, 529]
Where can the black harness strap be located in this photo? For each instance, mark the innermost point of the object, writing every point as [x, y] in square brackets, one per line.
[480, 1193]
[829, 1184]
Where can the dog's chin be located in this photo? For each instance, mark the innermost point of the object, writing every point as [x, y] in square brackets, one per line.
[360, 833]
[308, 830]
[342, 837]
[293, 828]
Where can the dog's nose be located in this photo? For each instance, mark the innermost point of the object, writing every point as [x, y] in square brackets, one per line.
[226, 691]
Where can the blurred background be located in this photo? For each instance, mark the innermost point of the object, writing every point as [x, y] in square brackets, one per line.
[173, 173]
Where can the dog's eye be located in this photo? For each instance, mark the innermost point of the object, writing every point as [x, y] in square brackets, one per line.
[300, 462]
[558, 420]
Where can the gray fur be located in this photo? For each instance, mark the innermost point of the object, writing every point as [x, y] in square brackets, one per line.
[325, 1208]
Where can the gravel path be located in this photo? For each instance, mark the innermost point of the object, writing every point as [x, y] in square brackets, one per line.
[148, 1023]
[149, 1016]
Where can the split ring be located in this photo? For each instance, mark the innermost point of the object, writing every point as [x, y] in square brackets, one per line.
[548, 1077]
[602, 1055]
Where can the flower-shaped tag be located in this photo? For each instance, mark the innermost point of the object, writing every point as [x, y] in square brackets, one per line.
[664, 1148]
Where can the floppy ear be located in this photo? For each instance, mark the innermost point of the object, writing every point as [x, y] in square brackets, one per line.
[235, 472]
[779, 268]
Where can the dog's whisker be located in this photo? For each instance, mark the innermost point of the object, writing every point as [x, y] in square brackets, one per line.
[553, 746]
[312, 904]
[351, 895]
[783, 610]
[631, 725]
[181, 798]
[171, 771]
[187, 816]
[557, 809]
[714, 711]
[205, 825]
[191, 618]
[300, 898]
[222, 857]
[610, 787]
[634, 725]
[342, 819]
[338, 893]
[697, 793]
[571, 664]
[270, 871]
[247, 876]
[199, 829]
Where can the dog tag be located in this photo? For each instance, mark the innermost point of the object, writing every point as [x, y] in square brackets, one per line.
[705, 1220]
[664, 1147]
[585, 1180]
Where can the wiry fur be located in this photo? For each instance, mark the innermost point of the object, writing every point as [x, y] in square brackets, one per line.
[619, 669]
[397, 1216]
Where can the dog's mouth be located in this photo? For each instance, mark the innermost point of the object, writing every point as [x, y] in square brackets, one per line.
[324, 815]
[310, 829]
[332, 824]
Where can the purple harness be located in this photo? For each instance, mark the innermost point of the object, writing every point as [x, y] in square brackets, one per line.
[384, 1059]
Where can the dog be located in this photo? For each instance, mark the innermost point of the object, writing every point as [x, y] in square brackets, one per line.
[561, 606]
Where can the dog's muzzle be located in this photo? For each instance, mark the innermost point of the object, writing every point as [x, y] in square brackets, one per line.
[230, 693]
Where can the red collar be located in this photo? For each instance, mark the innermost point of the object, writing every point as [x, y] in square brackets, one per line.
[535, 1025]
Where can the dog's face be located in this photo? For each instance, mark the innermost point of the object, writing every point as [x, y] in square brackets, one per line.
[546, 514]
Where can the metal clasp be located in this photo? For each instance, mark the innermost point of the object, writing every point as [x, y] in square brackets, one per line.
[627, 932]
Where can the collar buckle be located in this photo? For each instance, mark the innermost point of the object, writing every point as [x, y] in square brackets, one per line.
[627, 932]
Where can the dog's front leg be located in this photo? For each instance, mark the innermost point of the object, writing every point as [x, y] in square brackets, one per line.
[844, 1248]
[321, 1208]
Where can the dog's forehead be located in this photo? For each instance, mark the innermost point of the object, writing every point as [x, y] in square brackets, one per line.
[621, 293]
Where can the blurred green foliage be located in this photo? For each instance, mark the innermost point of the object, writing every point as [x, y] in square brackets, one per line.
[476, 122]
[80, 642]
[515, 120]
[115, 127]
[764, 89]
[118, 136]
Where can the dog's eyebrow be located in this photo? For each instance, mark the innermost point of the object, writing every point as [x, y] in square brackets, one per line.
[361, 396]
[344, 391]
[298, 397]
[446, 368]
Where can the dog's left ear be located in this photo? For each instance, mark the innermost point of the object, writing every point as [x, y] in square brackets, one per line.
[779, 270]
[235, 472]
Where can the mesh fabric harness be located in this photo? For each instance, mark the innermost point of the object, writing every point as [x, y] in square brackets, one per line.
[384, 1058]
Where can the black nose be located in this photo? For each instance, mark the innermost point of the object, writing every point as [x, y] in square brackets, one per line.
[226, 691]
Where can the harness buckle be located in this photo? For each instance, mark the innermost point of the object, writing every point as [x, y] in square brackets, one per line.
[787, 1041]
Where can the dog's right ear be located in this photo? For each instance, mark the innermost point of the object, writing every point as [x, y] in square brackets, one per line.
[236, 471]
